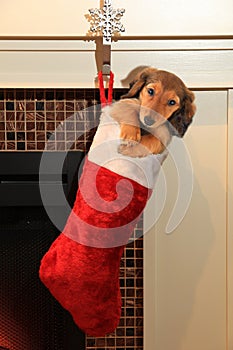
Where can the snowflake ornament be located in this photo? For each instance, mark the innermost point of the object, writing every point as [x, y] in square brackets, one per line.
[107, 21]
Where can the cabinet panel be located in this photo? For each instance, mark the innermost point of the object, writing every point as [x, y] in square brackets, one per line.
[230, 221]
[188, 269]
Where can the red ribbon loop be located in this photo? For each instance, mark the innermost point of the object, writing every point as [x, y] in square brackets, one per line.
[105, 101]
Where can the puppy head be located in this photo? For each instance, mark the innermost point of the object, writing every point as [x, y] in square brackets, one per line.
[163, 96]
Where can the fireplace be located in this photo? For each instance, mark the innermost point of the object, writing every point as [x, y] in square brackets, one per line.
[30, 317]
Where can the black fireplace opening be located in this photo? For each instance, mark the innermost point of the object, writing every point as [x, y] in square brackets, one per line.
[30, 318]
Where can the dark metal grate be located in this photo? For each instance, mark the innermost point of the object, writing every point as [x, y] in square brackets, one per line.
[30, 317]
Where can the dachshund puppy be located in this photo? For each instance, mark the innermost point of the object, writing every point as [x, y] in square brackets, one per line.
[157, 106]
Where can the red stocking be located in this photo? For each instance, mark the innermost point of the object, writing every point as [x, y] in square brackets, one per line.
[81, 268]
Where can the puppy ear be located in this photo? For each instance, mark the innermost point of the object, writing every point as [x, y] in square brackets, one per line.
[134, 88]
[182, 118]
[139, 82]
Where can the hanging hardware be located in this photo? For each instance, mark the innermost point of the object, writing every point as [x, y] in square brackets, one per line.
[106, 22]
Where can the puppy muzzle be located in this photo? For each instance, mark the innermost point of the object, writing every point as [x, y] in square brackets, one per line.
[150, 118]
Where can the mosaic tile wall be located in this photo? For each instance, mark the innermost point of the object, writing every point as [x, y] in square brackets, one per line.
[31, 117]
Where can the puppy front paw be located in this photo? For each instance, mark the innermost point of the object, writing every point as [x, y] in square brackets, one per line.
[130, 133]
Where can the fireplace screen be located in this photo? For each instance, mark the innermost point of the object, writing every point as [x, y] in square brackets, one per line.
[30, 318]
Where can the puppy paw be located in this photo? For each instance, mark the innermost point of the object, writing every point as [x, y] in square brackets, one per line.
[130, 133]
[133, 151]
[125, 147]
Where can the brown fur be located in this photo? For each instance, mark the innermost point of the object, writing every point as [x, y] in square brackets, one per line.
[158, 102]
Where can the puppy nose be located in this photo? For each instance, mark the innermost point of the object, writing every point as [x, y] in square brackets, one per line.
[148, 120]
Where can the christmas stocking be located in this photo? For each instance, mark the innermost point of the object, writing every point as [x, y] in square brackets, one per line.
[81, 268]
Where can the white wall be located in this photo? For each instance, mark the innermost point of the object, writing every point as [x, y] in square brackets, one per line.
[70, 59]
[149, 17]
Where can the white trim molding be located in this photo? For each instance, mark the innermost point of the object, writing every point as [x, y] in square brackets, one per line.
[74, 62]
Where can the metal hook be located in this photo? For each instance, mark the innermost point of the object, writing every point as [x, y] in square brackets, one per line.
[106, 21]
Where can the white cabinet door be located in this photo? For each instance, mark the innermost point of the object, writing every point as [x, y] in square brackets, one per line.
[186, 270]
[230, 224]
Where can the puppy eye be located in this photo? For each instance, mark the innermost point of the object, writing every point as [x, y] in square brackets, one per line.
[171, 103]
[151, 92]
